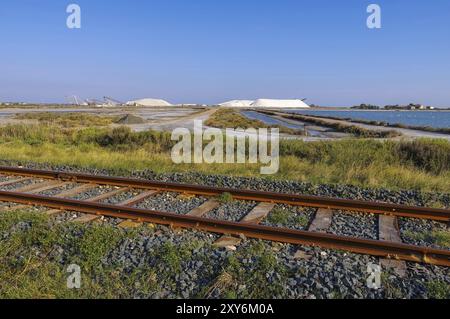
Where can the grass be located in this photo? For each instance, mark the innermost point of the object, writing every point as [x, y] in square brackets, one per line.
[225, 198]
[229, 118]
[96, 242]
[421, 165]
[433, 156]
[254, 284]
[442, 238]
[284, 217]
[279, 216]
[170, 256]
[224, 282]
[68, 119]
[29, 240]
[302, 220]
[438, 237]
[438, 290]
[29, 269]
[391, 289]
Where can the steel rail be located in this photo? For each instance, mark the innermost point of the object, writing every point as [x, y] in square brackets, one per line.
[442, 215]
[356, 245]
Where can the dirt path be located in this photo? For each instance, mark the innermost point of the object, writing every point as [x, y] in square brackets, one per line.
[171, 124]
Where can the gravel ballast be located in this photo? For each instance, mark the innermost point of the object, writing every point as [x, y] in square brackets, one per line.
[121, 197]
[354, 224]
[171, 203]
[58, 190]
[291, 271]
[16, 186]
[233, 211]
[97, 191]
[423, 232]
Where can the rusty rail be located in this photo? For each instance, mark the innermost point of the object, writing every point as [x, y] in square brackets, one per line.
[442, 215]
[363, 246]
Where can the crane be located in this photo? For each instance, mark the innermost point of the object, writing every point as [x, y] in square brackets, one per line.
[73, 98]
[112, 102]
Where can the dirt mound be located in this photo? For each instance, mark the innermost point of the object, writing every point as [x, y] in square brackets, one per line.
[131, 119]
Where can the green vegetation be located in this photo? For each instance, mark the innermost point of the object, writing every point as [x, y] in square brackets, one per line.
[31, 270]
[96, 242]
[302, 220]
[68, 119]
[225, 198]
[35, 253]
[391, 289]
[438, 237]
[366, 107]
[279, 216]
[229, 118]
[442, 238]
[433, 156]
[36, 106]
[421, 165]
[170, 256]
[253, 284]
[438, 290]
[285, 217]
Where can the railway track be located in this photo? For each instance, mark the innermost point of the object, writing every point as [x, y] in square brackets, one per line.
[392, 250]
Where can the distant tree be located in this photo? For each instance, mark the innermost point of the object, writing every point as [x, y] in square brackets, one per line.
[393, 107]
[366, 107]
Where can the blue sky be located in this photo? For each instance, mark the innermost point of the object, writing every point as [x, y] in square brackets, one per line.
[209, 51]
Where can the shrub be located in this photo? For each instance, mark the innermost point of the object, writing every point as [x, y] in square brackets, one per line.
[225, 198]
[432, 156]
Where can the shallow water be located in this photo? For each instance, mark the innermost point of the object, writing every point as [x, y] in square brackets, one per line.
[269, 120]
[436, 119]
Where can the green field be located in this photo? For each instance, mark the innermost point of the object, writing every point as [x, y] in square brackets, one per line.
[68, 119]
[420, 165]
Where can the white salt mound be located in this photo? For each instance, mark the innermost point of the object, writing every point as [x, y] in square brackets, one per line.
[237, 103]
[280, 103]
[298, 104]
[149, 102]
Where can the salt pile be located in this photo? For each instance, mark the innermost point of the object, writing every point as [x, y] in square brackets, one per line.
[298, 104]
[238, 103]
[149, 102]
